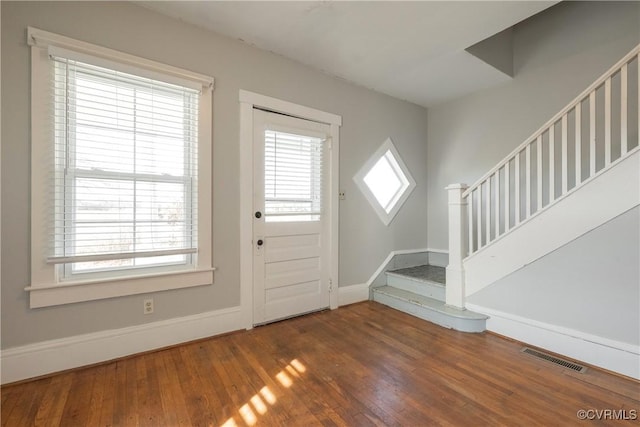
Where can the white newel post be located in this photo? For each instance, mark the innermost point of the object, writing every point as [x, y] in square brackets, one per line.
[455, 292]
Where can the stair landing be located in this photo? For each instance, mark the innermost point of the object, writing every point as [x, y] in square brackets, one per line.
[429, 273]
[420, 291]
[425, 280]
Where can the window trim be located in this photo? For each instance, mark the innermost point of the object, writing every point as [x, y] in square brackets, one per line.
[385, 217]
[46, 288]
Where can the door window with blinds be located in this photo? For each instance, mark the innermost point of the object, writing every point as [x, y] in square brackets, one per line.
[121, 173]
[126, 151]
[292, 176]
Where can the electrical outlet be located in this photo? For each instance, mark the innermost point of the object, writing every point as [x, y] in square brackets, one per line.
[342, 195]
[148, 306]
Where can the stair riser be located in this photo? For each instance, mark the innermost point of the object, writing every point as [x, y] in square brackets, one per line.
[429, 290]
[426, 313]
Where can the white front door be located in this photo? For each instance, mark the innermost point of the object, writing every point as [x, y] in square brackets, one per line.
[291, 248]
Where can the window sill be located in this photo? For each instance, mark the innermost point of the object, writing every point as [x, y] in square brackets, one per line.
[66, 293]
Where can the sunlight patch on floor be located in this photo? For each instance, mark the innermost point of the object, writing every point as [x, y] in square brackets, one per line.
[292, 371]
[268, 396]
[284, 379]
[247, 415]
[256, 405]
[230, 423]
[298, 366]
[259, 404]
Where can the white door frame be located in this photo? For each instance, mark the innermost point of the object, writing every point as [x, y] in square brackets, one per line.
[249, 101]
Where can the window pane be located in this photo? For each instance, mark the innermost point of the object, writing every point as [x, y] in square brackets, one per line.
[126, 147]
[86, 267]
[160, 113]
[160, 201]
[160, 155]
[159, 235]
[160, 260]
[102, 200]
[103, 238]
[120, 264]
[104, 149]
[293, 177]
[99, 102]
[383, 182]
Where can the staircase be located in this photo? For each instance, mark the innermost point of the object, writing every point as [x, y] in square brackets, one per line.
[578, 173]
[420, 291]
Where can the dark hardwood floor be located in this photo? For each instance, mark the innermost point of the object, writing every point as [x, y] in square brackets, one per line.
[360, 365]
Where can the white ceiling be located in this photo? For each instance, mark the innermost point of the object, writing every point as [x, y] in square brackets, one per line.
[410, 50]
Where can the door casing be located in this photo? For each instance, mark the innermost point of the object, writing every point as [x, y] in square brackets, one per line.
[249, 101]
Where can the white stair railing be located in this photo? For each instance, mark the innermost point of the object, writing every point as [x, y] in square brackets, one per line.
[598, 129]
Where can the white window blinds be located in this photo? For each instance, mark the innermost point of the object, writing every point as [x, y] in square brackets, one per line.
[293, 177]
[124, 168]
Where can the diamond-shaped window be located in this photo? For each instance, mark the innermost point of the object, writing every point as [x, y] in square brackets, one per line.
[385, 181]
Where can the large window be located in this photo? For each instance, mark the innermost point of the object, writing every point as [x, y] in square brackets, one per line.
[125, 170]
[117, 149]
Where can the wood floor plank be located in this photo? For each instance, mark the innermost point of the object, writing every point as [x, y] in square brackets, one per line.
[196, 402]
[120, 401]
[149, 397]
[130, 414]
[108, 399]
[290, 406]
[17, 406]
[276, 409]
[317, 408]
[611, 383]
[358, 379]
[96, 396]
[360, 365]
[208, 398]
[53, 403]
[174, 404]
[76, 409]
[8, 400]
[210, 382]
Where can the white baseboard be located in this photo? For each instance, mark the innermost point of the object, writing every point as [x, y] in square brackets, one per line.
[352, 294]
[42, 358]
[438, 251]
[615, 356]
[380, 270]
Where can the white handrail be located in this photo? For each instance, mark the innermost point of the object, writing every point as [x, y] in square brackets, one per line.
[496, 205]
[502, 199]
[627, 58]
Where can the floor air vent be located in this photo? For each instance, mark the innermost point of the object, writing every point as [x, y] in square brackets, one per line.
[553, 359]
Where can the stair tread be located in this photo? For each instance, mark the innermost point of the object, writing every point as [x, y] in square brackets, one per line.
[430, 303]
[422, 273]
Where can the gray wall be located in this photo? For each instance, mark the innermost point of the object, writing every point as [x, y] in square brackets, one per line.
[591, 285]
[368, 117]
[557, 54]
